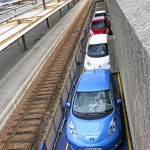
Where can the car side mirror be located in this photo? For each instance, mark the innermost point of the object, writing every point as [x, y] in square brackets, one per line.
[68, 104]
[119, 101]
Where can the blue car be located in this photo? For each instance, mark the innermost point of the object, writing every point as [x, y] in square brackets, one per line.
[94, 121]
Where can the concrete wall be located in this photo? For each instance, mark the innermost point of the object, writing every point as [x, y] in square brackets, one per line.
[131, 26]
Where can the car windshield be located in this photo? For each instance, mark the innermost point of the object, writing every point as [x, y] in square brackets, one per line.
[100, 14]
[98, 50]
[98, 25]
[99, 102]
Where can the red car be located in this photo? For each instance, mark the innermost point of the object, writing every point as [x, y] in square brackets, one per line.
[101, 25]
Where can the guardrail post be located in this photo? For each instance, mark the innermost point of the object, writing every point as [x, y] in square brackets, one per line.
[44, 5]
[70, 77]
[66, 88]
[60, 12]
[73, 68]
[73, 2]
[24, 43]
[47, 22]
[61, 105]
[68, 6]
[54, 126]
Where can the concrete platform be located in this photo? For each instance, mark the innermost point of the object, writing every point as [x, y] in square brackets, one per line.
[14, 84]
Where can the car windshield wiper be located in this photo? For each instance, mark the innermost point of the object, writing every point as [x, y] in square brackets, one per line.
[80, 113]
[108, 110]
[84, 113]
[90, 114]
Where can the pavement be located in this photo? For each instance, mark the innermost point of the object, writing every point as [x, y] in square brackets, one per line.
[14, 84]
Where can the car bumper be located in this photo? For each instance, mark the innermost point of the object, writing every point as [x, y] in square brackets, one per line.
[109, 143]
[86, 67]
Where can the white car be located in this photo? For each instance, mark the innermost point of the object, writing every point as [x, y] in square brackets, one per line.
[101, 13]
[97, 56]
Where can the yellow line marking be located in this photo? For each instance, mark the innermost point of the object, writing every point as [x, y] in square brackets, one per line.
[124, 111]
[83, 69]
[66, 147]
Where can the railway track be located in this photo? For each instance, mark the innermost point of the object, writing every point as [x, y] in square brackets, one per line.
[26, 127]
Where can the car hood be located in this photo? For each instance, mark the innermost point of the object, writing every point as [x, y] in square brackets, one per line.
[87, 130]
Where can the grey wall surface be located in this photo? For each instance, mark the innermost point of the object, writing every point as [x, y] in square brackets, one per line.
[130, 21]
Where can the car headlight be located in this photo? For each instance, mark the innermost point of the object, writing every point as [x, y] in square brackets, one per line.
[72, 129]
[112, 127]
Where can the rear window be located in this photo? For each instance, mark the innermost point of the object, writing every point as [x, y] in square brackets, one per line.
[98, 50]
[99, 25]
[100, 14]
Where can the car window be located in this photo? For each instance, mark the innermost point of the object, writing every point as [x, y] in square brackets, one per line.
[93, 102]
[99, 25]
[98, 50]
[100, 14]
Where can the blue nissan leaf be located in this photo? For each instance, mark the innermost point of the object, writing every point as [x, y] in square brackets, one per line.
[94, 121]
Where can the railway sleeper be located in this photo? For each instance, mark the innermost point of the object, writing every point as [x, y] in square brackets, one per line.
[39, 108]
[62, 58]
[35, 108]
[28, 106]
[32, 113]
[21, 141]
[44, 93]
[47, 87]
[28, 115]
[21, 132]
[56, 68]
[28, 119]
[40, 96]
[16, 147]
[59, 63]
[50, 80]
[52, 77]
[40, 102]
[58, 71]
[27, 125]
[39, 99]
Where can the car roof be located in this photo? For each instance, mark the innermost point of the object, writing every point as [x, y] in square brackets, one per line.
[98, 39]
[101, 18]
[94, 80]
[101, 11]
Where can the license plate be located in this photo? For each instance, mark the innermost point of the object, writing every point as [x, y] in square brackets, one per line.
[93, 149]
